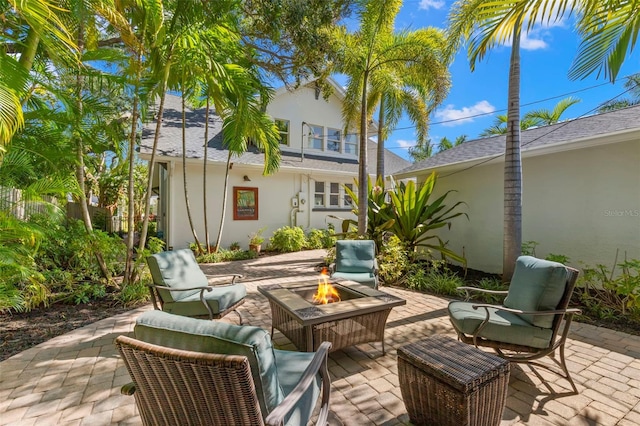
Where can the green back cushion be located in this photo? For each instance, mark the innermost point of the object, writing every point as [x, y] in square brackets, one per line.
[355, 255]
[537, 285]
[176, 269]
[178, 332]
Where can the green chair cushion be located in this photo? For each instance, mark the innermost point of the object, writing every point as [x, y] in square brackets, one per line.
[176, 269]
[366, 278]
[178, 332]
[502, 327]
[219, 299]
[355, 255]
[537, 285]
[291, 366]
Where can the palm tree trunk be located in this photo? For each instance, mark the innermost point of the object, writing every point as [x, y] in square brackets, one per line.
[380, 168]
[363, 194]
[512, 240]
[30, 49]
[129, 275]
[184, 175]
[224, 201]
[204, 178]
[80, 174]
[156, 137]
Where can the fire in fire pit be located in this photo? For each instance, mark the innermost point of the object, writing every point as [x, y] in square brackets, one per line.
[326, 293]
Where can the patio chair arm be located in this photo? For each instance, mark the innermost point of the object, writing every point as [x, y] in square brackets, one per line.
[233, 280]
[318, 365]
[468, 291]
[202, 288]
[521, 312]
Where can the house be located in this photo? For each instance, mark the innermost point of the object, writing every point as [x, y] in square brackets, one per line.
[581, 191]
[317, 162]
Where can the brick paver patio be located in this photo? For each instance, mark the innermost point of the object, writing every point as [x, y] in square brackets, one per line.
[75, 379]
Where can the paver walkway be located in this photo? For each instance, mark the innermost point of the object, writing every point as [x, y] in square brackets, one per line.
[75, 379]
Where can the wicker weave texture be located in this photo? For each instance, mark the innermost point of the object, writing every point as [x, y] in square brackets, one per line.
[175, 387]
[341, 333]
[445, 382]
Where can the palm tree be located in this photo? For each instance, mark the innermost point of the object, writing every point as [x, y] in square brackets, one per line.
[365, 56]
[633, 88]
[545, 117]
[416, 88]
[445, 143]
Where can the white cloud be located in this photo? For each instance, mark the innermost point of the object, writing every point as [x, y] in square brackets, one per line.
[454, 117]
[530, 42]
[427, 4]
[405, 144]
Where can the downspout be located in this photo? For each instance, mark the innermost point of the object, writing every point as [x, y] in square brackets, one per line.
[302, 140]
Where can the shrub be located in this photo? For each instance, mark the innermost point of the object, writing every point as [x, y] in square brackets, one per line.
[223, 255]
[288, 239]
[434, 277]
[321, 238]
[393, 261]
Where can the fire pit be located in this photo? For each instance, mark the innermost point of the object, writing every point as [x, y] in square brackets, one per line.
[353, 313]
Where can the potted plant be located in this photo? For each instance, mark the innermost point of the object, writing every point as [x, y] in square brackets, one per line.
[256, 239]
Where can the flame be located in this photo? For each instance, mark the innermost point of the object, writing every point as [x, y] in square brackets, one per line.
[326, 292]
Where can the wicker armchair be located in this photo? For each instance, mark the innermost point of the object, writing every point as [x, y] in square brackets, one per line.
[180, 287]
[529, 325]
[233, 376]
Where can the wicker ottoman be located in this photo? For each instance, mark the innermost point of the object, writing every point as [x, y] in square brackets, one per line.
[446, 382]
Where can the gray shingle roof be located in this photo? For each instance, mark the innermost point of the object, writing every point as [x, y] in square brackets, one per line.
[564, 132]
[170, 144]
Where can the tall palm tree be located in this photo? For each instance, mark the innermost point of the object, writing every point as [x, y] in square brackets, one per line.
[364, 56]
[445, 143]
[545, 117]
[416, 88]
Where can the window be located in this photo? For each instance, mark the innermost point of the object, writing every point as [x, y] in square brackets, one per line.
[334, 194]
[348, 201]
[334, 139]
[283, 129]
[318, 199]
[351, 144]
[316, 137]
[245, 203]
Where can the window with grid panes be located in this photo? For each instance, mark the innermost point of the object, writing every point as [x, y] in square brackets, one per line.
[283, 130]
[316, 137]
[318, 199]
[334, 194]
[334, 139]
[351, 143]
[348, 201]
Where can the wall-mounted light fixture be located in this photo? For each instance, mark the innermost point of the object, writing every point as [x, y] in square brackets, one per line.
[246, 178]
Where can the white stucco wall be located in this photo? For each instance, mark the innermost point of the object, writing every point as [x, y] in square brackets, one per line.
[274, 203]
[583, 203]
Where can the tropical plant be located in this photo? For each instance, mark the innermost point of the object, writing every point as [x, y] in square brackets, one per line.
[287, 239]
[393, 261]
[366, 56]
[415, 217]
[499, 126]
[256, 238]
[321, 238]
[445, 143]
[633, 88]
[545, 117]
[421, 151]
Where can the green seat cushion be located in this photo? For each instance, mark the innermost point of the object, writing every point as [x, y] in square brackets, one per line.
[537, 285]
[176, 269]
[291, 366]
[366, 278]
[178, 332]
[220, 298]
[502, 327]
[355, 255]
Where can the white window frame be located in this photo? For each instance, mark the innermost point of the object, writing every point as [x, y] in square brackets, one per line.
[317, 193]
[284, 135]
[334, 194]
[313, 129]
[350, 139]
[332, 140]
[347, 201]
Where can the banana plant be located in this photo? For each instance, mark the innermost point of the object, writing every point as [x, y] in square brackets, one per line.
[415, 218]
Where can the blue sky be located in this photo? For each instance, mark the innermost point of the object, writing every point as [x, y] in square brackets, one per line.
[546, 56]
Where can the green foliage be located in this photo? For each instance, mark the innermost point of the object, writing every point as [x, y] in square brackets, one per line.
[256, 238]
[433, 277]
[66, 258]
[288, 239]
[321, 238]
[529, 248]
[491, 284]
[560, 258]
[223, 255]
[604, 292]
[234, 246]
[393, 261]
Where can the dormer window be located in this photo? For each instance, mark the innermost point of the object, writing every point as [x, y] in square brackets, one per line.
[334, 140]
[316, 137]
[283, 130]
